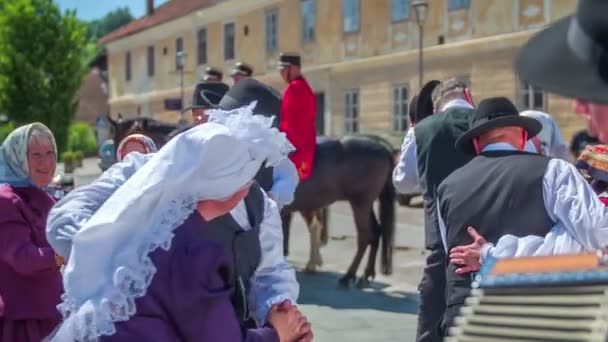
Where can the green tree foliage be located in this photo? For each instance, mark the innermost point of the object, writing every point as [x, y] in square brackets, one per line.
[41, 67]
[5, 130]
[81, 138]
[110, 22]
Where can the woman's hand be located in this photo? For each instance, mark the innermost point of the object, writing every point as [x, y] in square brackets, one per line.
[290, 324]
[468, 257]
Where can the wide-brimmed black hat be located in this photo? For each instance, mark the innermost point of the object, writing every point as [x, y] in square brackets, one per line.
[242, 69]
[492, 113]
[208, 94]
[289, 59]
[249, 90]
[424, 105]
[212, 72]
[570, 58]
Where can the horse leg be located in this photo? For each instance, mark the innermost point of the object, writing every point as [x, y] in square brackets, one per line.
[370, 270]
[364, 236]
[286, 221]
[314, 259]
[323, 217]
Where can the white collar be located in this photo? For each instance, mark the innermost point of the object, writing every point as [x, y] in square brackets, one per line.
[501, 146]
[457, 103]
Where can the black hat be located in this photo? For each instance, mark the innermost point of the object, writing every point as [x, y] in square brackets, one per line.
[570, 57]
[492, 113]
[212, 72]
[424, 105]
[242, 69]
[249, 90]
[208, 94]
[288, 59]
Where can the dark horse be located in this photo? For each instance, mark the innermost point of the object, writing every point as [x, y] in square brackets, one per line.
[156, 130]
[356, 169]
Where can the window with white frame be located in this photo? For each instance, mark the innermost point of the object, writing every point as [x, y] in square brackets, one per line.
[400, 106]
[454, 5]
[351, 15]
[202, 46]
[309, 20]
[400, 10]
[351, 111]
[272, 23]
[229, 41]
[531, 97]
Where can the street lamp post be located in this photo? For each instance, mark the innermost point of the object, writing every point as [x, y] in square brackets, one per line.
[420, 8]
[181, 62]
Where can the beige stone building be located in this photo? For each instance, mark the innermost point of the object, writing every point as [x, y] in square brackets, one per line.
[360, 56]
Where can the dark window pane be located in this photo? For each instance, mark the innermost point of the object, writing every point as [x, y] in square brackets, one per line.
[128, 66]
[229, 41]
[308, 20]
[350, 15]
[202, 46]
[179, 47]
[399, 10]
[150, 61]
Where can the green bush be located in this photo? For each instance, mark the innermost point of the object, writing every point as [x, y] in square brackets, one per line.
[78, 157]
[68, 157]
[81, 137]
[5, 130]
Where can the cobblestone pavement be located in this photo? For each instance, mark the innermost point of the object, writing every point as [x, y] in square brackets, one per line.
[385, 312]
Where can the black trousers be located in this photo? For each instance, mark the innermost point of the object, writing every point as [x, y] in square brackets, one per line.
[432, 297]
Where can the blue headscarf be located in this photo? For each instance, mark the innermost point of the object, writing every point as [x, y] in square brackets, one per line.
[14, 169]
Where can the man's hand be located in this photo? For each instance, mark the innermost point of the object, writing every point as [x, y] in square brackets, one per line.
[468, 256]
[286, 306]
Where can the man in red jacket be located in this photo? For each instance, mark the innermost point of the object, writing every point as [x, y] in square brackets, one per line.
[298, 114]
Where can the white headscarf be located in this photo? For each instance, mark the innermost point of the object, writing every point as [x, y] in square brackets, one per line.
[550, 136]
[110, 265]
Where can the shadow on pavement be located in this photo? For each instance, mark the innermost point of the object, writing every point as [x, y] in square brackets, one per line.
[322, 289]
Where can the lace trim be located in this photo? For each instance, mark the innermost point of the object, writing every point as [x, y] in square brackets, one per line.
[91, 320]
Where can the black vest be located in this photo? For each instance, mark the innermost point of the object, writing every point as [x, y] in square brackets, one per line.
[437, 158]
[264, 177]
[243, 247]
[497, 193]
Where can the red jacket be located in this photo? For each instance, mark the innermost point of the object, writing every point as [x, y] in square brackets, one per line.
[298, 112]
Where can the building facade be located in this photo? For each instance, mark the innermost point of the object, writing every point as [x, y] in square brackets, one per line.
[360, 56]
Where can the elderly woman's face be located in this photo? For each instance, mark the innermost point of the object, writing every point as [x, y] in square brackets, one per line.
[41, 161]
[133, 146]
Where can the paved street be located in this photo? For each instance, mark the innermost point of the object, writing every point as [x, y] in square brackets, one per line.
[386, 312]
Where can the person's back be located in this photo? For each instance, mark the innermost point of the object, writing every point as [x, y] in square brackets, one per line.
[498, 193]
[438, 158]
[178, 300]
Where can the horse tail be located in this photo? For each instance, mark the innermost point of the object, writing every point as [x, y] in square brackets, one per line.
[387, 220]
[323, 216]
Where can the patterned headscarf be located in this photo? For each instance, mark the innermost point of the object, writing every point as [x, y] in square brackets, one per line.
[593, 162]
[14, 169]
[149, 145]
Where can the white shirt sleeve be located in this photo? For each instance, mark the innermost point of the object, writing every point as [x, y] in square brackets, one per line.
[275, 279]
[73, 211]
[442, 228]
[582, 219]
[284, 182]
[405, 174]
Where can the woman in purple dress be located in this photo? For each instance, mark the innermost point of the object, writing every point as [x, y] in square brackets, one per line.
[141, 268]
[30, 281]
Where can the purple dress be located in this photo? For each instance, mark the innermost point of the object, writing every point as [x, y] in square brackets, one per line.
[30, 281]
[188, 299]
